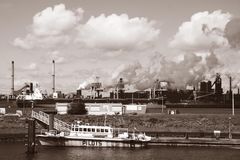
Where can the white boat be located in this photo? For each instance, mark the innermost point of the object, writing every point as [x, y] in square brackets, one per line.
[85, 135]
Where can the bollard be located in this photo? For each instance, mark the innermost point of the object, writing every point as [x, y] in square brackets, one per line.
[31, 136]
[51, 122]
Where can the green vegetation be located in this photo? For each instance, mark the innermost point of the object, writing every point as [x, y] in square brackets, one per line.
[148, 122]
[163, 122]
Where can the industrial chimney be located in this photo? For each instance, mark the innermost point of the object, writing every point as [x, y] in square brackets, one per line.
[12, 89]
[53, 75]
[230, 85]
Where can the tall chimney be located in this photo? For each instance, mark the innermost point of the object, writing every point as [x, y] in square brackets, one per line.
[53, 70]
[12, 89]
[230, 85]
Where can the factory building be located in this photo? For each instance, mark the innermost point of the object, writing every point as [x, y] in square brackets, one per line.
[159, 89]
[92, 91]
[104, 108]
[135, 108]
[119, 91]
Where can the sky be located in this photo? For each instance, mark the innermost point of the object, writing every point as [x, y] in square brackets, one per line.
[183, 42]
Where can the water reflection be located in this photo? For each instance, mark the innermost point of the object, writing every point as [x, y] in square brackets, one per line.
[17, 151]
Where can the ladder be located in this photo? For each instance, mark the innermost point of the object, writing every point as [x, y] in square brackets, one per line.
[44, 118]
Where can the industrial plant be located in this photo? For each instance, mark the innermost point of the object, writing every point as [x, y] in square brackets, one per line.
[120, 99]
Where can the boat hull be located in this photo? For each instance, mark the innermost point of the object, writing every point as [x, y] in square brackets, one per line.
[86, 142]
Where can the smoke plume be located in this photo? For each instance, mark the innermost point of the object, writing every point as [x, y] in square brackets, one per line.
[204, 31]
[191, 70]
[232, 32]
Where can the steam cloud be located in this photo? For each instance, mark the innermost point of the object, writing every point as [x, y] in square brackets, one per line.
[200, 38]
[189, 71]
[202, 34]
[232, 32]
[205, 30]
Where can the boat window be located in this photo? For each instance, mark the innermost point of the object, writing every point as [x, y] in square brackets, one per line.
[84, 129]
[76, 129]
[98, 130]
[80, 129]
[89, 129]
[93, 129]
[106, 130]
[102, 130]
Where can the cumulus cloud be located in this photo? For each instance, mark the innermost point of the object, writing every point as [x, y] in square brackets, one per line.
[203, 32]
[49, 27]
[117, 32]
[55, 26]
[232, 32]
[54, 21]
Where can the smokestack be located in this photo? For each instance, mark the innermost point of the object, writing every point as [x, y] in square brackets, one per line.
[31, 88]
[12, 89]
[230, 85]
[53, 69]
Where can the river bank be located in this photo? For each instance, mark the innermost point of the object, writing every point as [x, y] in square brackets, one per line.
[156, 125]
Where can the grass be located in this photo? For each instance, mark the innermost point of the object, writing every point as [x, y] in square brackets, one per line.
[145, 122]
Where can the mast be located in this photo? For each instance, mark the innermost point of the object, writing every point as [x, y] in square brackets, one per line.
[12, 89]
[53, 76]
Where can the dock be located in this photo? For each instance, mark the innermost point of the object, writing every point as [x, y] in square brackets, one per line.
[198, 142]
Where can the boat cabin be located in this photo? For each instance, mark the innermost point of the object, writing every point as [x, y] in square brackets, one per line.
[80, 129]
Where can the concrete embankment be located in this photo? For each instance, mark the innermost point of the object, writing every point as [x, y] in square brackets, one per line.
[203, 142]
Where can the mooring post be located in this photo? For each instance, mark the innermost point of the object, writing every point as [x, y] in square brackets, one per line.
[31, 135]
[51, 121]
[229, 128]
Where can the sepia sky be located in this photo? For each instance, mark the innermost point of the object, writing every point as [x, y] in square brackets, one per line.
[182, 41]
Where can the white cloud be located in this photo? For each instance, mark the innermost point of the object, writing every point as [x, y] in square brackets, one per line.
[232, 32]
[33, 41]
[57, 26]
[50, 27]
[54, 21]
[116, 32]
[203, 32]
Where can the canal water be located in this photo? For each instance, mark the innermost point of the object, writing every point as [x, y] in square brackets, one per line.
[16, 151]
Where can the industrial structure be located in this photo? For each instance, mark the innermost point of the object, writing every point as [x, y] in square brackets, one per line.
[161, 92]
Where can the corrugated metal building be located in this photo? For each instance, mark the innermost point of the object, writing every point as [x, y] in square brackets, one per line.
[135, 108]
[104, 108]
